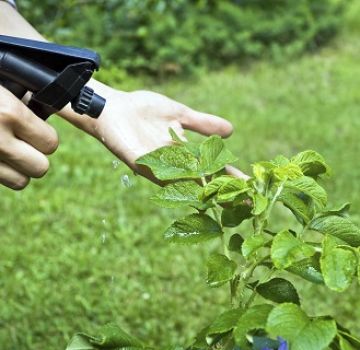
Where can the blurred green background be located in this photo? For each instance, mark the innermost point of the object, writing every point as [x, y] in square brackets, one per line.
[84, 246]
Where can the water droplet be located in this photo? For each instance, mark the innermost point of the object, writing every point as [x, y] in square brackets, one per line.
[125, 180]
[116, 163]
[146, 296]
[103, 139]
[103, 237]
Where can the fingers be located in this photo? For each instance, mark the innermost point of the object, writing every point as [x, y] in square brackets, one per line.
[11, 178]
[24, 158]
[205, 124]
[230, 170]
[25, 139]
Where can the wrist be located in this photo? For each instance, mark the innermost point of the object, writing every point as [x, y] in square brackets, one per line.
[84, 122]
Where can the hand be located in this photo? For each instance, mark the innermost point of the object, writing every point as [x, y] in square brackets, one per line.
[25, 140]
[133, 124]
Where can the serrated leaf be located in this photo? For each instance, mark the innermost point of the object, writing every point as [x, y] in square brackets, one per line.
[300, 205]
[303, 333]
[213, 186]
[232, 217]
[260, 203]
[263, 170]
[287, 249]
[288, 171]
[308, 269]
[280, 160]
[235, 243]
[214, 156]
[337, 226]
[179, 194]
[254, 318]
[172, 163]
[309, 187]
[279, 290]
[220, 270]
[225, 321]
[193, 229]
[232, 189]
[252, 244]
[311, 163]
[338, 265]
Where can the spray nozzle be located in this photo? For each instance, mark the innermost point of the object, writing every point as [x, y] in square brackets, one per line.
[55, 74]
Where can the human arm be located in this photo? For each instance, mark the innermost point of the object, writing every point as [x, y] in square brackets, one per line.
[132, 123]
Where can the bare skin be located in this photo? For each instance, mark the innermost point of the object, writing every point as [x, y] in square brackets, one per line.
[25, 140]
[131, 125]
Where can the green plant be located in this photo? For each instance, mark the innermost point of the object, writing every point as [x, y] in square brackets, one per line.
[172, 37]
[253, 260]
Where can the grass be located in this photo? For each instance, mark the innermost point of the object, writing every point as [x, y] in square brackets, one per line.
[82, 248]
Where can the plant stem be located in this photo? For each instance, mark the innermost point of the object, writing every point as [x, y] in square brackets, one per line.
[233, 283]
[269, 208]
[253, 294]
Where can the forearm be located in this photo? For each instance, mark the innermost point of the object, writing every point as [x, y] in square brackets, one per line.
[13, 24]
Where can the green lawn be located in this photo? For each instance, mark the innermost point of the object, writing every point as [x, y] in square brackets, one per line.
[82, 248]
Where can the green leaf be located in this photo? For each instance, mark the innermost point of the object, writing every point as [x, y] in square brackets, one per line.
[287, 249]
[179, 194]
[309, 187]
[80, 342]
[338, 265]
[225, 321]
[344, 344]
[192, 229]
[171, 163]
[232, 217]
[175, 137]
[337, 226]
[311, 163]
[300, 205]
[287, 172]
[260, 203]
[220, 270]
[263, 171]
[304, 333]
[254, 318]
[201, 340]
[235, 243]
[252, 244]
[111, 337]
[213, 186]
[280, 160]
[308, 269]
[214, 156]
[344, 333]
[278, 290]
[343, 211]
[192, 147]
[231, 189]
